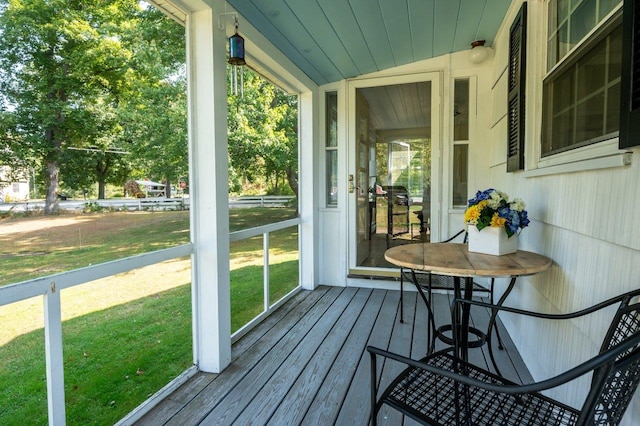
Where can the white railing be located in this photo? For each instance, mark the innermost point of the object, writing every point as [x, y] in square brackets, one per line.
[49, 288]
[268, 307]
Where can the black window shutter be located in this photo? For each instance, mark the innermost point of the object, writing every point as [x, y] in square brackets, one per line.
[630, 84]
[516, 86]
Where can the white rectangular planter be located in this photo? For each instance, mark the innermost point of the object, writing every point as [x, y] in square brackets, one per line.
[491, 241]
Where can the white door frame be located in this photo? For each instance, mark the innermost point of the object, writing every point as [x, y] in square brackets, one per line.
[436, 157]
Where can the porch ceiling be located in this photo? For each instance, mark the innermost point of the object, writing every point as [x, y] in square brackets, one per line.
[330, 40]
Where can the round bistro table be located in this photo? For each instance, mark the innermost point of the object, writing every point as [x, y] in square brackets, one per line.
[456, 260]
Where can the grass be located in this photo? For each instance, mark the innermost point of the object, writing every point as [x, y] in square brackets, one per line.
[126, 336]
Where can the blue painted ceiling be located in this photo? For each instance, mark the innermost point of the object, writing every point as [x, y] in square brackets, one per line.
[331, 40]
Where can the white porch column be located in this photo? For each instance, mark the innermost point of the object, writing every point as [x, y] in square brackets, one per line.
[207, 91]
[308, 192]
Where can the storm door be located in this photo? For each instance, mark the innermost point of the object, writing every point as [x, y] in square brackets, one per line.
[392, 173]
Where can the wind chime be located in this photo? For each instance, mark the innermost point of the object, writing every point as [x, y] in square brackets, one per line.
[236, 59]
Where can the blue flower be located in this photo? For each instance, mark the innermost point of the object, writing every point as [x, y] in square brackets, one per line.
[505, 212]
[492, 207]
[481, 195]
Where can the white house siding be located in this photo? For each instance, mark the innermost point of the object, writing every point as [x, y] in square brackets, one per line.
[586, 221]
[12, 190]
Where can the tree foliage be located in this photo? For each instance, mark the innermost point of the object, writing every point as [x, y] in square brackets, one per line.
[95, 92]
[71, 73]
[263, 140]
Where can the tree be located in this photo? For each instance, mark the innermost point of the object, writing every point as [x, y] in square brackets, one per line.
[63, 69]
[263, 142]
[156, 113]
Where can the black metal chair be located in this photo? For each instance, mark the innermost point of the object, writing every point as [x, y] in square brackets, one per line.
[440, 389]
[426, 282]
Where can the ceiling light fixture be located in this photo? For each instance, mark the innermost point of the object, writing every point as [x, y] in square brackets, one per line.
[479, 52]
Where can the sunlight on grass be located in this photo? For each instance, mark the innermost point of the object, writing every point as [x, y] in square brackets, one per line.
[125, 336]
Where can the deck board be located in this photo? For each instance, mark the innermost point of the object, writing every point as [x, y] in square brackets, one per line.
[307, 363]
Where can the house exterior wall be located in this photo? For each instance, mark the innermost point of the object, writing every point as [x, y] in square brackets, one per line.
[582, 207]
[12, 190]
[583, 216]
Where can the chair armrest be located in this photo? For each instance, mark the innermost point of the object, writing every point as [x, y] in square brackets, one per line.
[606, 357]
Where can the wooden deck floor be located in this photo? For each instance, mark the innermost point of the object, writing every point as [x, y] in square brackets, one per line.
[307, 363]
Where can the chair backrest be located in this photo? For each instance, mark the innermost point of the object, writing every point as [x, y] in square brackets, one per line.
[614, 384]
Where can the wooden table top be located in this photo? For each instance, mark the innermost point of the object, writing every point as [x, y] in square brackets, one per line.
[455, 259]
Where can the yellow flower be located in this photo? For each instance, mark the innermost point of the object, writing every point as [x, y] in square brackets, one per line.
[472, 214]
[497, 221]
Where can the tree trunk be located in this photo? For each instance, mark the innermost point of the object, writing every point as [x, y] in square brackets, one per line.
[52, 164]
[292, 177]
[52, 180]
[52, 136]
[102, 169]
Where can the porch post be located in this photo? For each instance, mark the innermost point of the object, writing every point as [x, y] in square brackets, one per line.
[207, 119]
[308, 193]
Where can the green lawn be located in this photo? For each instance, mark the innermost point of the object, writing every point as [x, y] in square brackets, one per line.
[117, 356]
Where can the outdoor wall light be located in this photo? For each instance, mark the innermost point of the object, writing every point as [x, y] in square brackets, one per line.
[479, 52]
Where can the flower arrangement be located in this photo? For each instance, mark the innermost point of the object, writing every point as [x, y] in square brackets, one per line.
[493, 208]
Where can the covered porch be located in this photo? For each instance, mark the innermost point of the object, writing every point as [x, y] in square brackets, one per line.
[307, 363]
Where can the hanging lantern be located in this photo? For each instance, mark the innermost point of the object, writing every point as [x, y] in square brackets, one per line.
[236, 48]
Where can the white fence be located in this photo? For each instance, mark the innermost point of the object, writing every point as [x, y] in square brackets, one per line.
[152, 203]
[261, 201]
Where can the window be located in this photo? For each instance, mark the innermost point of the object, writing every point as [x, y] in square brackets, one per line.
[331, 149]
[581, 95]
[461, 95]
[460, 175]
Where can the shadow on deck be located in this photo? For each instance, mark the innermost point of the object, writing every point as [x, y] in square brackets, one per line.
[307, 363]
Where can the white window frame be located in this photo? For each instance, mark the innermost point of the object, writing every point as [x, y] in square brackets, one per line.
[602, 154]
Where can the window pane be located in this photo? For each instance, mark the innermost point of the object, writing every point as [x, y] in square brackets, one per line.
[607, 6]
[613, 109]
[562, 131]
[615, 54]
[332, 178]
[332, 119]
[460, 176]
[331, 156]
[562, 6]
[564, 44]
[563, 91]
[583, 19]
[591, 71]
[589, 118]
[461, 110]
